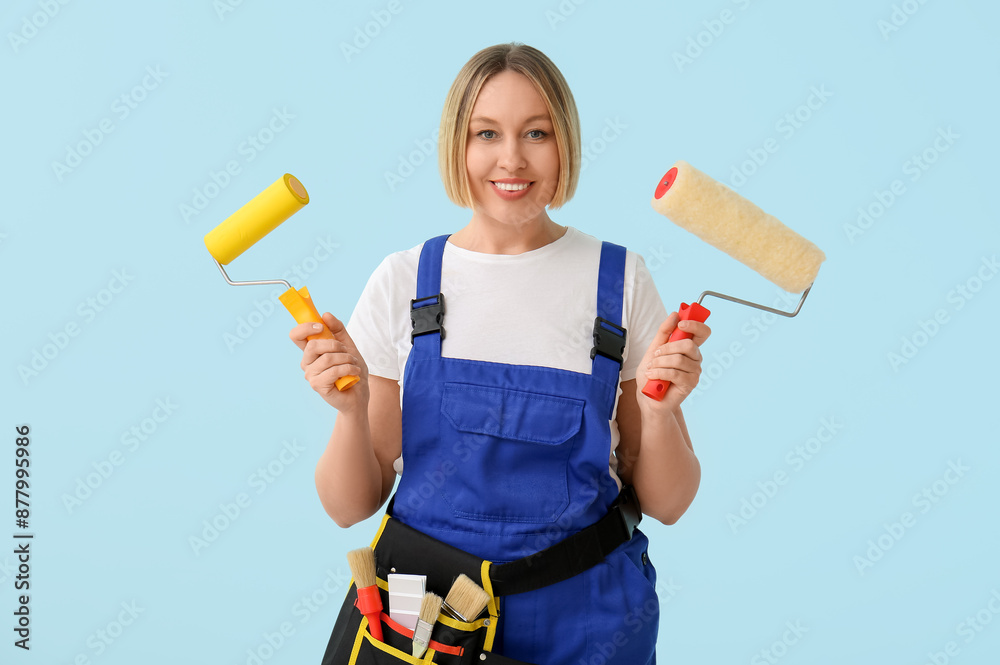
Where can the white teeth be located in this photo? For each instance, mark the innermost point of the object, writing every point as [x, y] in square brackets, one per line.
[510, 187]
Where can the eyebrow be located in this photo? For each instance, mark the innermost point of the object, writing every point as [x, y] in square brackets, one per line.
[534, 118]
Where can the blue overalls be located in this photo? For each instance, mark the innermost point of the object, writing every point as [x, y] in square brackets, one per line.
[504, 460]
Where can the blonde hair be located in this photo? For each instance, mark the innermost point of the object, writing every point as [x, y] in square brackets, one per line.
[551, 86]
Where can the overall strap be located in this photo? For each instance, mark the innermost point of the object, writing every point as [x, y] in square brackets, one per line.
[427, 309]
[609, 335]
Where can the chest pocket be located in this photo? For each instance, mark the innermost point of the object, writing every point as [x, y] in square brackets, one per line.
[513, 450]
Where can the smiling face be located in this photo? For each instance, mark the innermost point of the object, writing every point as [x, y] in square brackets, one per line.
[511, 155]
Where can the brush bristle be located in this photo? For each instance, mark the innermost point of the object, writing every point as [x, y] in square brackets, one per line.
[467, 598]
[362, 563]
[430, 607]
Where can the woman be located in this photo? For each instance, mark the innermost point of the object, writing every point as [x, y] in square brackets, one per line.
[517, 430]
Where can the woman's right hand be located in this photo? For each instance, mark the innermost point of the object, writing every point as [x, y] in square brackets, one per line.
[326, 360]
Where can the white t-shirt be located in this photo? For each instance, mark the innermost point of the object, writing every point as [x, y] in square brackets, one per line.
[535, 308]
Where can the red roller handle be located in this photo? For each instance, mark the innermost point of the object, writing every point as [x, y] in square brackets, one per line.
[656, 389]
[370, 604]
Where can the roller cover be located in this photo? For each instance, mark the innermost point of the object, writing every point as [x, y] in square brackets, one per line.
[727, 221]
[256, 219]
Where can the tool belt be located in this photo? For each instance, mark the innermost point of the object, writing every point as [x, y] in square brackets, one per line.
[403, 549]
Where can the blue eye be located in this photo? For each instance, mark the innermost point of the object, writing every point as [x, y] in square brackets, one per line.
[540, 134]
[483, 134]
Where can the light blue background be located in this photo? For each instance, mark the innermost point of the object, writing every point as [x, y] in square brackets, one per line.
[726, 593]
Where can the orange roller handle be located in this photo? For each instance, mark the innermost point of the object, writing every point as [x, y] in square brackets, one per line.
[657, 389]
[301, 307]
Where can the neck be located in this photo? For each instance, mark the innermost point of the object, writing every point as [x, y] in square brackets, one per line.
[491, 237]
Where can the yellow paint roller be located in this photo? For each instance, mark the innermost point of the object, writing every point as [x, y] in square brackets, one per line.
[727, 221]
[256, 219]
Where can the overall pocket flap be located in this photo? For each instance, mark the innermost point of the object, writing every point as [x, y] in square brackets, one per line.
[511, 414]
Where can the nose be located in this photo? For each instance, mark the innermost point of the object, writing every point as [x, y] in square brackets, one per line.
[511, 157]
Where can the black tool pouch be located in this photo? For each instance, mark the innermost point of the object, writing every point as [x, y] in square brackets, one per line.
[401, 549]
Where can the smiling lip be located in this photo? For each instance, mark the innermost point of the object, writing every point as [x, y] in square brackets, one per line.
[511, 189]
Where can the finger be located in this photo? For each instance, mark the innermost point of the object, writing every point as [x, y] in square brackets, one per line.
[684, 347]
[338, 328]
[699, 331]
[663, 333]
[681, 347]
[318, 347]
[685, 381]
[324, 382]
[299, 333]
[676, 361]
[328, 360]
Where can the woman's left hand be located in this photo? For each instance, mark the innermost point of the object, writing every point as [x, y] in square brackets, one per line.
[677, 362]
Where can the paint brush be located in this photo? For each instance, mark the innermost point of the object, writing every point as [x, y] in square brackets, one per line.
[430, 607]
[466, 600]
[362, 563]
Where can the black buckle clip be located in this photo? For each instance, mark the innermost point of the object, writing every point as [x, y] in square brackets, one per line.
[427, 318]
[609, 343]
[627, 505]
